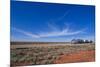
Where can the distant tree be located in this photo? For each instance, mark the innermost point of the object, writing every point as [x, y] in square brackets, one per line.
[75, 41]
[91, 41]
[80, 41]
[86, 41]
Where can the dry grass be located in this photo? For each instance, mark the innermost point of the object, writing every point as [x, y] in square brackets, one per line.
[48, 53]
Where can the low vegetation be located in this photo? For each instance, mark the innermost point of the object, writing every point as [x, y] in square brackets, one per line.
[44, 55]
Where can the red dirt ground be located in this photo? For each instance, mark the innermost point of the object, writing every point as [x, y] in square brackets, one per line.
[82, 56]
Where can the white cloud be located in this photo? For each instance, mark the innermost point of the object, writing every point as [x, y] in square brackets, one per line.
[63, 16]
[55, 32]
[52, 27]
[26, 33]
[64, 32]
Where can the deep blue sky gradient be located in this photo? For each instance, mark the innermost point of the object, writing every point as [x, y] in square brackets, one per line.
[34, 17]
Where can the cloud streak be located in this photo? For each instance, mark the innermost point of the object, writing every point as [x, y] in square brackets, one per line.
[25, 33]
[54, 33]
[63, 16]
[65, 32]
[53, 30]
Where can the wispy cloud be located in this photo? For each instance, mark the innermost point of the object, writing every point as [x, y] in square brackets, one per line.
[54, 33]
[57, 32]
[53, 30]
[25, 33]
[63, 16]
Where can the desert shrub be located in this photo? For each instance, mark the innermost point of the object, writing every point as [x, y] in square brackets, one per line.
[14, 59]
[45, 55]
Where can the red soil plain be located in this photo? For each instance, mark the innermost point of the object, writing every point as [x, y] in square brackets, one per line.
[23, 55]
[82, 56]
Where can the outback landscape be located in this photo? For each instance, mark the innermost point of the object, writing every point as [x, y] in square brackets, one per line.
[23, 54]
[51, 33]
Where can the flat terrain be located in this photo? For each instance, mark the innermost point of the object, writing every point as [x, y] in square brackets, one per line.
[38, 54]
[81, 56]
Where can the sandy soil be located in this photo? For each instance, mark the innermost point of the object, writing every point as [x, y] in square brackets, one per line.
[82, 56]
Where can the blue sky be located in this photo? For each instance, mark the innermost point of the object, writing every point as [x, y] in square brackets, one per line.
[36, 21]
